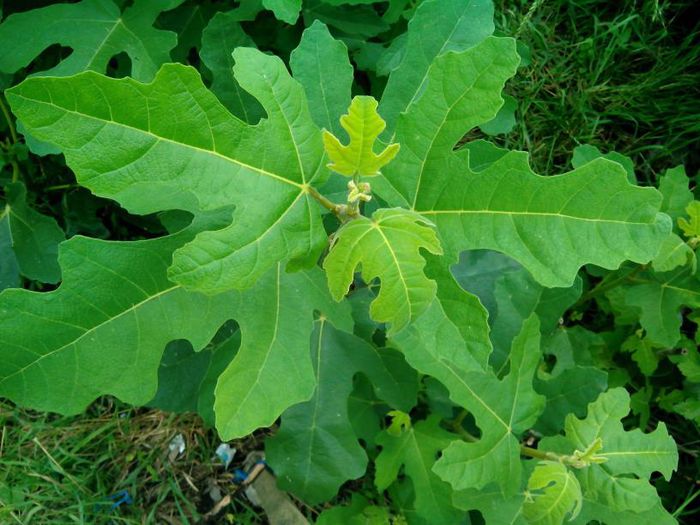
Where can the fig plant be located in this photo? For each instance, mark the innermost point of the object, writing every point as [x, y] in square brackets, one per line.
[319, 269]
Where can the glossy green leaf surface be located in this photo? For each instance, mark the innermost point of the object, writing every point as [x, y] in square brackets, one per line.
[207, 160]
[320, 63]
[551, 225]
[285, 10]
[59, 364]
[273, 369]
[502, 409]
[622, 453]
[437, 27]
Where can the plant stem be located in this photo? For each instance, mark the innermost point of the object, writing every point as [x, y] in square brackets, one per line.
[572, 461]
[539, 454]
[326, 203]
[456, 425]
[10, 124]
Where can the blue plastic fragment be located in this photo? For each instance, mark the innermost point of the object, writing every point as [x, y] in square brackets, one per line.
[120, 497]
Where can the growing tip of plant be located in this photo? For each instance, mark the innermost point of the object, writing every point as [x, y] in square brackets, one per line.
[363, 126]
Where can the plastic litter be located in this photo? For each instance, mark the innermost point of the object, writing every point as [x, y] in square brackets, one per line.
[225, 453]
[176, 447]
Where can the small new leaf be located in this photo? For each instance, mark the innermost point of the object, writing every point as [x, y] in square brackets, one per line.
[400, 423]
[612, 454]
[387, 246]
[691, 228]
[363, 125]
[552, 493]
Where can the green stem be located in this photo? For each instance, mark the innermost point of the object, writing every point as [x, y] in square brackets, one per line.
[539, 454]
[456, 425]
[60, 187]
[572, 461]
[15, 170]
[326, 203]
[10, 124]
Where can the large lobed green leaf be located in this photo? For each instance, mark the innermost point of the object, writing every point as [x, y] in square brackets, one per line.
[551, 225]
[170, 144]
[437, 27]
[95, 30]
[104, 329]
[608, 483]
[502, 408]
[272, 369]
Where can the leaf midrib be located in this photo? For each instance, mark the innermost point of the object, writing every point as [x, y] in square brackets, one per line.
[533, 214]
[163, 139]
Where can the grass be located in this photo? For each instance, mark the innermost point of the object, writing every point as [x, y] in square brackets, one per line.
[619, 75]
[56, 469]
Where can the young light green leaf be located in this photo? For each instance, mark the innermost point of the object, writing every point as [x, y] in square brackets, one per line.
[28, 241]
[621, 453]
[322, 66]
[220, 38]
[272, 369]
[104, 32]
[170, 144]
[316, 450]
[415, 450]
[387, 246]
[502, 409]
[553, 495]
[691, 228]
[363, 125]
[438, 26]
